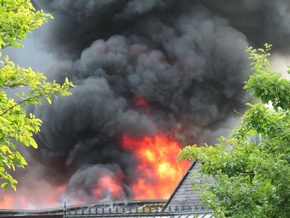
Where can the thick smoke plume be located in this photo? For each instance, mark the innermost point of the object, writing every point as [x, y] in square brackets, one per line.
[185, 58]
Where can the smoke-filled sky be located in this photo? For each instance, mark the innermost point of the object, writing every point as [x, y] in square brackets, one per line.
[185, 58]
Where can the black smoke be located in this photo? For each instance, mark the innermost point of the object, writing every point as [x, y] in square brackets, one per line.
[186, 58]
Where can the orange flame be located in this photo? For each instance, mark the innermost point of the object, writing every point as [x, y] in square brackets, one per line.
[6, 202]
[109, 185]
[26, 199]
[157, 175]
[159, 172]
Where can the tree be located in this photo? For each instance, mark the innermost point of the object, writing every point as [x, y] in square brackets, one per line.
[17, 18]
[251, 169]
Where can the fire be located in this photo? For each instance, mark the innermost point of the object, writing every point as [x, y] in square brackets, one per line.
[157, 174]
[28, 199]
[108, 185]
[9, 200]
[158, 171]
[143, 105]
[141, 102]
[6, 202]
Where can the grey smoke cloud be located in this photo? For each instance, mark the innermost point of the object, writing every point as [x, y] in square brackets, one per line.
[83, 184]
[261, 21]
[185, 58]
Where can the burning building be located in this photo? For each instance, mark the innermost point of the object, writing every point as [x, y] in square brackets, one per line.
[151, 76]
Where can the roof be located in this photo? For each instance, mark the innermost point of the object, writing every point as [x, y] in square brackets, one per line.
[185, 195]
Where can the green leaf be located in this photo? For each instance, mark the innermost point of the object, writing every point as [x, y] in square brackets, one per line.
[33, 143]
[4, 185]
[48, 100]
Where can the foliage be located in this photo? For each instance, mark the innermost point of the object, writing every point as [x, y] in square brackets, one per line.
[251, 169]
[17, 18]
